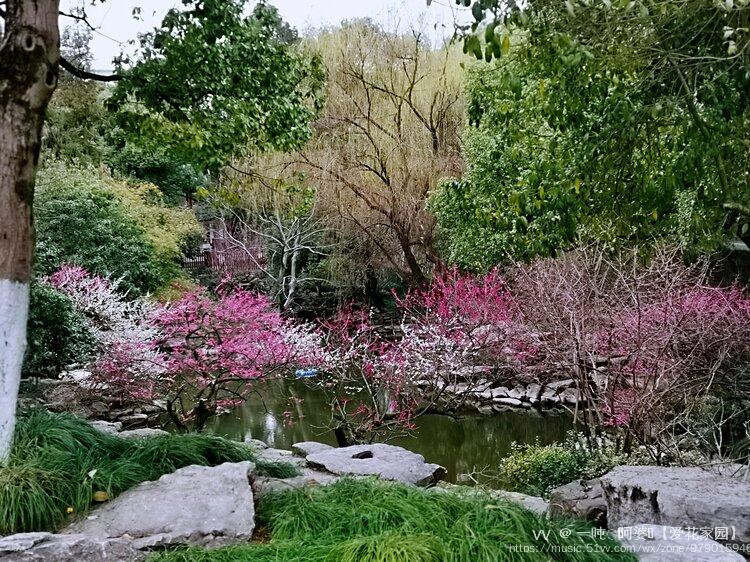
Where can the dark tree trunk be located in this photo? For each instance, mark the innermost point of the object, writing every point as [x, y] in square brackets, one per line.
[372, 294]
[341, 439]
[417, 276]
[29, 57]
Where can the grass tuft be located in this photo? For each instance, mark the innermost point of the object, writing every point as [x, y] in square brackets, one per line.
[373, 521]
[59, 461]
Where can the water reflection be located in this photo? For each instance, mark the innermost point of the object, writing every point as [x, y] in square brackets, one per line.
[461, 446]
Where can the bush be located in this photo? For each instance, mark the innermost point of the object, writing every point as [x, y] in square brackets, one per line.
[536, 469]
[110, 228]
[58, 462]
[373, 521]
[57, 334]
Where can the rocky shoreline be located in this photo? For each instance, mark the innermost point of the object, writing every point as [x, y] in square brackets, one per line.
[651, 509]
[490, 397]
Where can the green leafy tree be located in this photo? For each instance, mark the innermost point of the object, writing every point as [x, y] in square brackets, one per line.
[211, 82]
[608, 121]
[208, 76]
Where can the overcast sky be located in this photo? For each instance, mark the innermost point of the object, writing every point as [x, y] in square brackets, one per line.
[116, 25]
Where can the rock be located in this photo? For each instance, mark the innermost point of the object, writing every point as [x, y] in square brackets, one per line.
[120, 413]
[532, 503]
[601, 380]
[582, 500]
[46, 547]
[655, 543]
[134, 420]
[280, 455]
[385, 461]
[509, 401]
[486, 395]
[532, 392]
[62, 397]
[731, 469]
[557, 385]
[307, 477]
[685, 497]
[113, 428]
[464, 478]
[78, 376]
[99, 408]
[570, 396]
[46, 383]
[518, 392]
[196, 505]
[549, 396]
[305, 448]
[255, 443]
[458, 389]
[143, 433]
[152, 409]
[500, 392]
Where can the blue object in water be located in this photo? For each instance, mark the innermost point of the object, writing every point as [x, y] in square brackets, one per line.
[305, 373]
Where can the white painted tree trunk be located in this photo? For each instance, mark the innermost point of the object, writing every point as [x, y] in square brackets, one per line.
[29, 56]
[14, 307]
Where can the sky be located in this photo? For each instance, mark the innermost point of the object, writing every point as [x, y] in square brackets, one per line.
[116, 25]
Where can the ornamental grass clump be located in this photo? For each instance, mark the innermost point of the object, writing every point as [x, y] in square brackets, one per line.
[374, 521]
[59, 463]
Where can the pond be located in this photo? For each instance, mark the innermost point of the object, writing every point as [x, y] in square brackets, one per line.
[473, 442]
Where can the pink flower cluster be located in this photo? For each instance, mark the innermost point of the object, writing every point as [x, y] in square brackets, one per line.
[197, 354]
[238, 337]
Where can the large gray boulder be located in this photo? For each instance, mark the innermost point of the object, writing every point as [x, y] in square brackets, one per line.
[112, 428]
[582, 500]
[196, 505]
[385, 461]
[656, 543]
[307, 478]
[143, 433]
[678, 497]
[532, 503]
[305, 448]
[46, 547]
[280, 455]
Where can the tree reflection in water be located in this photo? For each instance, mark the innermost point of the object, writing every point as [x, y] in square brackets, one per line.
[282, 413]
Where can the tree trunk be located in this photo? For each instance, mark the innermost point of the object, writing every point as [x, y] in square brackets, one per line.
[417, 276]
[29, 56]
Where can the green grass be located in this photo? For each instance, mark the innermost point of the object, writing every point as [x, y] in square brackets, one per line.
[59, 461]
[372, 521]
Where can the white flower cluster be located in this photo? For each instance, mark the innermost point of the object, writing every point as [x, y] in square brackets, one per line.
[110, 316]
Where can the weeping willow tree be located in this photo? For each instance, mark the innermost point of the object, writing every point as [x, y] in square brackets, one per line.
[388, 133]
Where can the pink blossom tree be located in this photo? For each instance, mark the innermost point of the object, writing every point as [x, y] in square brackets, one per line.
[213, 348]
[370, 399]
[452, 330]
[645, 340]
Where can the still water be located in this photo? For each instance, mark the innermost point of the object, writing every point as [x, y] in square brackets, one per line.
[474, 442]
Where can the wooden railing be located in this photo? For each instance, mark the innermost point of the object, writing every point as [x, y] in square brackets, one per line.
[230, 261]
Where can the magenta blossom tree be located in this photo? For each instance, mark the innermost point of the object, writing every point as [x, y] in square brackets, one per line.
[369, 399]
[455, 332]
